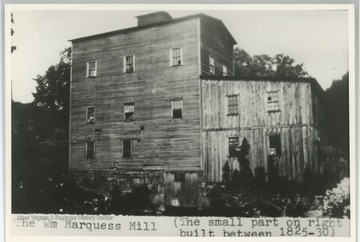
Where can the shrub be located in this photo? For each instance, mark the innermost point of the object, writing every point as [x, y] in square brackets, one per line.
[336, 205]
[246, 177]
[260, 177]
[272, 169]
[226, 172]
[218, 199]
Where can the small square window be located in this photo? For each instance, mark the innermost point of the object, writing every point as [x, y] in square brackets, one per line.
[90, 115]
[129, 63]
[275, 144]
[176, 56]
[91, 67]
[212, 65]
[177, 108]
[233, 146]
[90, 149]
[129, 109]
[233, 105]
[273, 101]
[127, 149]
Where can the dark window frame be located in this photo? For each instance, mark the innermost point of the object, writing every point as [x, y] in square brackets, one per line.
[91, 69]
[90, 149]
[128, 115]
[129, 63]
[275, 144]
[176, 56]
[179, 177]
[232, 104]
[211, 65]
[233, 143]
[127, 148]
[224, 70]
[177, 108]
[273, 101]
[90, 119]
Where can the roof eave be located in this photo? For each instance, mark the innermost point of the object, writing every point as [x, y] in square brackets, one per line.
[310, 80]
[136, 28]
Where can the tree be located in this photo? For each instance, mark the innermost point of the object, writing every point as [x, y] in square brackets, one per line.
[337, 112]
[286, 67]
[23, 134]
[52, 96]
[266, 66]
[243, 63]
[52, 91]
[40, 128]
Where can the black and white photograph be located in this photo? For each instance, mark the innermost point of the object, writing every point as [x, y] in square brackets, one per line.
[214, 113]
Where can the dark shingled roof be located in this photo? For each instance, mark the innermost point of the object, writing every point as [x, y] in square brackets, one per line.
[136, 28]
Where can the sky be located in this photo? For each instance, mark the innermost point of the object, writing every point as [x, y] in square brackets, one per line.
[316, 38]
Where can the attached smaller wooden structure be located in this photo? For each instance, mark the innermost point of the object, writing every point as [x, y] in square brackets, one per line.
[277, 116]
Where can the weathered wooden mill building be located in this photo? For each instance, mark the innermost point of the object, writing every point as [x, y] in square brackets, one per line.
[158, 104]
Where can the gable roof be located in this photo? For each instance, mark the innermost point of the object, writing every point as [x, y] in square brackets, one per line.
[138, 28]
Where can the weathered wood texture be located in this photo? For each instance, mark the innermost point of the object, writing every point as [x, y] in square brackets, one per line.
[293, 122]
[181, 193]
[297, 148]
[295, 104]
[166, 143]
[217, 43]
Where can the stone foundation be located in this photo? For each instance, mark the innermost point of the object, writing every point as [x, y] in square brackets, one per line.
[186, 187]
[102, 182]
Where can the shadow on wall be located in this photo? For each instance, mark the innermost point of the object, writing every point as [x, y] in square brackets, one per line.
[334, 168]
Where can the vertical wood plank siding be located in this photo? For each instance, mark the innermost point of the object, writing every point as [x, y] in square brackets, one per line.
[293, 122]
[166, 143]
[182, 193]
